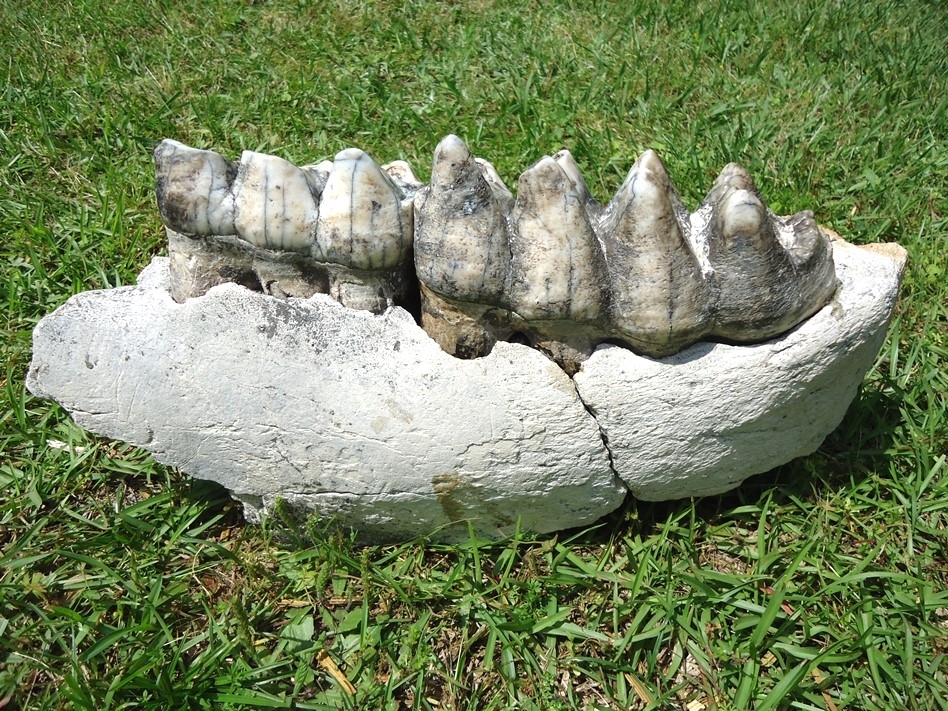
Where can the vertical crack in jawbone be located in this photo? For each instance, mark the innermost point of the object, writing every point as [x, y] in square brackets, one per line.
[552, 267]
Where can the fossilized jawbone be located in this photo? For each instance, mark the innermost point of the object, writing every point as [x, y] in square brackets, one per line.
[552, 267]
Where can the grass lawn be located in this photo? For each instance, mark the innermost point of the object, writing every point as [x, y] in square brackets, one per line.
[821, 585]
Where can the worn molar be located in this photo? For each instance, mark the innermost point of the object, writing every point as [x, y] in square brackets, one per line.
[342, 228]
[769, 273]
[276, 203]
[194, 189]
[659, 299]
[364, 220]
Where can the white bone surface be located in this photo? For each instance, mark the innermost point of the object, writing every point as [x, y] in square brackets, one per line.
[362, 420]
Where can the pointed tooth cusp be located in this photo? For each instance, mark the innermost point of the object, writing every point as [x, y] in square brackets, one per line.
[496, 183]
[558, 271]
[275, 204]
[461, 246]
[759, 288]
[364, 223]
[194, 189]
[659, 295]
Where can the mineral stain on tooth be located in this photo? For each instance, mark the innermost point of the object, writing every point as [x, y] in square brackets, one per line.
[659, 295]
[762, 285]
[194, 189]
[552, 267]
[461, 247]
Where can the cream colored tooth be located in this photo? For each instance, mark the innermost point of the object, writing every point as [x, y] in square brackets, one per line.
[569, 165]
[364, 220]
[658, 292]
[194, 189]
[557, 268]
[461, 246]
[276, 203]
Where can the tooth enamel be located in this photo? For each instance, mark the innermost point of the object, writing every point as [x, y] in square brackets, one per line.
[569, 165]
[364, 222]
[194, 189]
[552, 267]
[769, 274]
[461, 248]
[501, 193]
[275, 203]
[404, 177]
[557, 269]
[659, 295]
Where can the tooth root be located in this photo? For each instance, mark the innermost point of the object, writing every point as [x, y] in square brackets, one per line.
[658, 293]
[769, 274]
[364, 220]
[194, 189]
[558, 271]
[461, 246]
[275, 204]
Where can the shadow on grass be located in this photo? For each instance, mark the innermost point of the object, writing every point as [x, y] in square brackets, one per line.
[858, 447]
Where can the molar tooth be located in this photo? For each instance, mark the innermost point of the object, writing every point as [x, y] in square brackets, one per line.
[275, 203]
[659, 294]
[769, 274]
[557, 271]
[461, 245]
[194, 189]
[364, 221]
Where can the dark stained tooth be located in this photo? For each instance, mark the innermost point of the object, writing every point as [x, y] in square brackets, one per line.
[194, 189]
[461, 246]
[768, 274]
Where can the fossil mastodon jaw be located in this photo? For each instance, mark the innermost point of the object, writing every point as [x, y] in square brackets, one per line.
[552, 267]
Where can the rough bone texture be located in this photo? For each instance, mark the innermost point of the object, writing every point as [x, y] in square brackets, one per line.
[363, 421]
